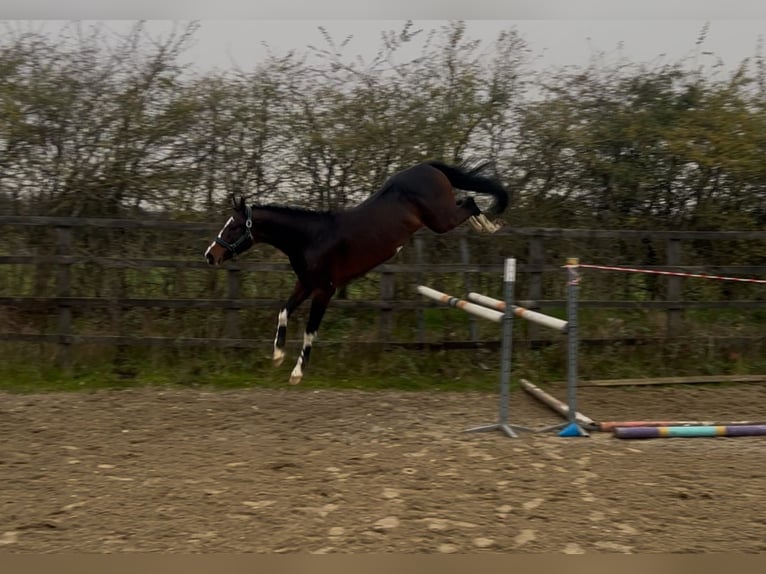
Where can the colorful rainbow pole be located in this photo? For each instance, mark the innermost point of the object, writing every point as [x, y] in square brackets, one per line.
[690, 431]
[608, 426]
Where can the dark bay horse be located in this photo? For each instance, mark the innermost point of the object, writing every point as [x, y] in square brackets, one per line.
[328, 249]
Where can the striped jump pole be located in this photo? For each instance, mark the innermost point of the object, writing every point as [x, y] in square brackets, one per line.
[503, 423]
[473, 309]
[555, 404]
[529, 315]
[608, 426]
[689, 431]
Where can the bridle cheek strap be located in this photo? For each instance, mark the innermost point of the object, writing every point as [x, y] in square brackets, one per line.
[248, 234]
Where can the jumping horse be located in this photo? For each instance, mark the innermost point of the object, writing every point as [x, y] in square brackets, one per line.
[328, 249]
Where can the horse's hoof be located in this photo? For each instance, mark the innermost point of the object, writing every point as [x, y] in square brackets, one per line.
[295, 379]
[475, 224]
[489, 226]
[278, 358]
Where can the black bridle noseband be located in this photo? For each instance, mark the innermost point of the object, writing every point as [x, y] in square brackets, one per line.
[244, 237]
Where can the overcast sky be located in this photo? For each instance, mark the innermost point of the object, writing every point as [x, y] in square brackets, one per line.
[552, 42]
[398, 9]
[558, 32]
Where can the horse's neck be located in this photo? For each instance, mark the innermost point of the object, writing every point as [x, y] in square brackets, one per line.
[289, 233]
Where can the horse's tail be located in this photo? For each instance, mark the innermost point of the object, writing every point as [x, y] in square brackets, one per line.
[472, 180]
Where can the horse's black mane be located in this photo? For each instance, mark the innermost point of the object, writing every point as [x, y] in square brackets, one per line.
[289, 210]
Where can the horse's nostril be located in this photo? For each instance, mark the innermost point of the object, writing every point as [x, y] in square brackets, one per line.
[210, 258]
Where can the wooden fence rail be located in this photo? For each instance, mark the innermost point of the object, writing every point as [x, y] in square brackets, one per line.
[62, 257]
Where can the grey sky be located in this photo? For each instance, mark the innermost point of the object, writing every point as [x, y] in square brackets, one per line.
[554, 42]
[397, 9]
[559, 32]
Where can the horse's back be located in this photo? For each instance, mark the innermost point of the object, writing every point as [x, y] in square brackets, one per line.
[419, 179]
[421, 173]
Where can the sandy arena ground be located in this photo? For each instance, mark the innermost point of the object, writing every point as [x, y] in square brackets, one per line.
[187, 470]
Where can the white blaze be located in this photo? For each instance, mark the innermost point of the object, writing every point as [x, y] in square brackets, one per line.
[220, 233]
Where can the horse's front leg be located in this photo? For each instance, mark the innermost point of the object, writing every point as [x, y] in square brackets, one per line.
[298, 296]
[318, 306]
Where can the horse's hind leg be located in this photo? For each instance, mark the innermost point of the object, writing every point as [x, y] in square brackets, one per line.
[477, 219]
[446, 215]
[297, 297]
[318, 307]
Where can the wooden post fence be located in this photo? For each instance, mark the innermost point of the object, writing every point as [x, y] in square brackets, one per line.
[64, 289]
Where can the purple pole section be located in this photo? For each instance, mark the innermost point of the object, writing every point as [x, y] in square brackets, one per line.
[690, 431]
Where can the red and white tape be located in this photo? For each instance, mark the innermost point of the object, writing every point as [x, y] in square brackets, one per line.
[673, 273]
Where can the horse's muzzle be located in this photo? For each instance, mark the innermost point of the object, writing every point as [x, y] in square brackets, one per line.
[214, 254]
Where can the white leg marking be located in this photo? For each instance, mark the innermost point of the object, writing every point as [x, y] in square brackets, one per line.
[279, 354]
[297, 374]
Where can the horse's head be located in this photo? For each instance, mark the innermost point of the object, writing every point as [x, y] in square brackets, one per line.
[235, 237]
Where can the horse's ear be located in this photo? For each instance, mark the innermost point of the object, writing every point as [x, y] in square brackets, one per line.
[238, 204]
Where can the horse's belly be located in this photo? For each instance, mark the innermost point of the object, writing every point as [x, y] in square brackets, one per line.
[361, 262]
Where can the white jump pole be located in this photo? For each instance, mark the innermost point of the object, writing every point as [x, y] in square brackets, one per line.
[478, 310]
[559, 406]
[533, 316]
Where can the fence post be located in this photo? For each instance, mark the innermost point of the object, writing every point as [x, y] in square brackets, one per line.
[420, 313]
[535, 285]
[465, 257]
[231, 321]
[386, 295]
[117, 291]
[673, 293]
[64, 289]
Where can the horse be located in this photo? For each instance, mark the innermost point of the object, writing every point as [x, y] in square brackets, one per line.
[329, 249]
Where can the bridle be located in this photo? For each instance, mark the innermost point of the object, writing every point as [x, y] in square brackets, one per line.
[244, 237]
